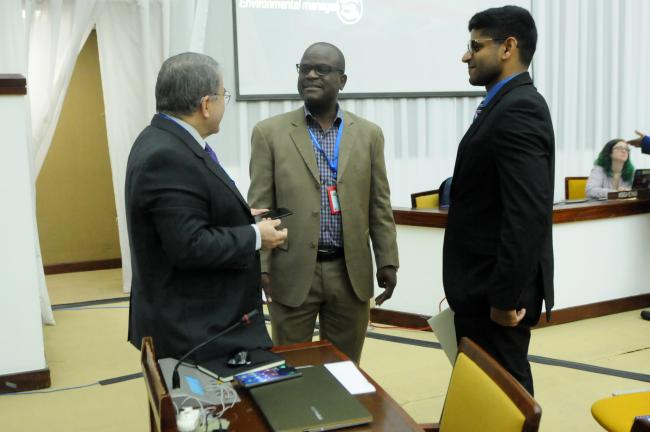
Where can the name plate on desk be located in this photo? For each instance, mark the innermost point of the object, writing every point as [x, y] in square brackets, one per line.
[637, 193]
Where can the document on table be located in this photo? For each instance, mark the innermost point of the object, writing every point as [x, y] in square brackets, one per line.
[350, 377]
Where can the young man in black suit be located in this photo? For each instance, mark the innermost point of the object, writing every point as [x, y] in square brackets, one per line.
[194, 242]
[498, 250]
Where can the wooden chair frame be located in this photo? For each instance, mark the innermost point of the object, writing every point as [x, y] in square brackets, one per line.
[567, 180]
[511, 387]
[419, 194]
[162, 414]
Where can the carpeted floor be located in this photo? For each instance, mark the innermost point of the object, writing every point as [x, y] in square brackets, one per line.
[88, 346]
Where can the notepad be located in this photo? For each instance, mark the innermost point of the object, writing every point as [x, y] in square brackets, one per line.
[350, 377]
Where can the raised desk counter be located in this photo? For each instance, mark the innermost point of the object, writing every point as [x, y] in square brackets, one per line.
[562, 213]
[602, 261]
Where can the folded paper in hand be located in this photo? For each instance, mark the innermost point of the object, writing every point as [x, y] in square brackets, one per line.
[442, 325]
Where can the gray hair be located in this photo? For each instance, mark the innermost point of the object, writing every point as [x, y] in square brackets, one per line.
[183, 80]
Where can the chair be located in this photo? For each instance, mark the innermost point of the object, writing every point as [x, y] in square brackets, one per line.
[424, 200]
[162, 415]
[483, 396]
[574, 187]
[617, 413]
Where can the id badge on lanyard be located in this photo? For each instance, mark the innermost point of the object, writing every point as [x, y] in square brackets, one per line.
[332, 194]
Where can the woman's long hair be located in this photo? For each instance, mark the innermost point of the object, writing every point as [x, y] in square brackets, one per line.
[604, 160]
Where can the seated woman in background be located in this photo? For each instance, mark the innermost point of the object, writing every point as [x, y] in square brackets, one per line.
[613, 171]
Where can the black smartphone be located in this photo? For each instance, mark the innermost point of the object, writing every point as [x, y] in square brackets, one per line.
[266, 376]
[277, 213]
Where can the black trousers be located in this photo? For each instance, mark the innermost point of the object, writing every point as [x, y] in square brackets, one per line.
[508, 345]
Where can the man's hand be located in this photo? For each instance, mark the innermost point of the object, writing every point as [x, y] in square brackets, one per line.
[507, 318]
[265, 283]
[387, 279]
[636, 142]
[255, 212]
[271, 237]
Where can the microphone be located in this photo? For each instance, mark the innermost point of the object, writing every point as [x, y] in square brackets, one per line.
[244, 320]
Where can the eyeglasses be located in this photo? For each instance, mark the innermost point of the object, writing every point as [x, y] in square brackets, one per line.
[623, 149]
[321, 69]
[475, 45]
[225, 94]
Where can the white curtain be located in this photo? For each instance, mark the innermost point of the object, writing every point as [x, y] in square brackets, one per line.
[133, 41]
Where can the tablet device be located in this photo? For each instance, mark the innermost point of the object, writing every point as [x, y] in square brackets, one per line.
[267, 376]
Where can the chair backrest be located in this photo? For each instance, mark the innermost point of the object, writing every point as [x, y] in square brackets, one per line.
[483, 396]
[426, 199]
[574, 187]
[162, 415]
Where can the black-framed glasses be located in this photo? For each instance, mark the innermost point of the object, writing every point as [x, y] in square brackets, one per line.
[321, 69]
[225, 94]
[474, 45]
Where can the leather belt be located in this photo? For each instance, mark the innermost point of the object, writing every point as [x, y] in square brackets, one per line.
[328, 253]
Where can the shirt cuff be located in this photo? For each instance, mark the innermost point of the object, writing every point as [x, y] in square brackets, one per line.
[258, 237]
[645, 144]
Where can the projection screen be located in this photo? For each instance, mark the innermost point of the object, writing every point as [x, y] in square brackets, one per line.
[393, 48]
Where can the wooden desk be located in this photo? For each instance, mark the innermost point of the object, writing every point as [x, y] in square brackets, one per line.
[387, 414]
[589, 280]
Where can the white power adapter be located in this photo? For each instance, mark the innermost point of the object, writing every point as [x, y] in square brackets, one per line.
[188, 419]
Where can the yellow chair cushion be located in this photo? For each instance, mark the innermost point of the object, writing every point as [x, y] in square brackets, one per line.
[426, 201]
[476, 403]
[577, 188]
[617, 413]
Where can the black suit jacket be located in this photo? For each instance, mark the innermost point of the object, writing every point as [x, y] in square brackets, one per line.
[498, 248]
[195, 268]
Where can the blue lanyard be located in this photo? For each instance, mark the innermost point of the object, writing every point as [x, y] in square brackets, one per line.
[333, 164]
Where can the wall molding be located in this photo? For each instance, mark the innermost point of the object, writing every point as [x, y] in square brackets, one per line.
[559, 316]
[13, 84]
[83, 266]
[25, 381]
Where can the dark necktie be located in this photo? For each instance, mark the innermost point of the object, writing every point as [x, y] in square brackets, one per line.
[212, 154]
[479, 108]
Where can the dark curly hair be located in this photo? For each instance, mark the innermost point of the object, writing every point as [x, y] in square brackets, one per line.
[604, 160]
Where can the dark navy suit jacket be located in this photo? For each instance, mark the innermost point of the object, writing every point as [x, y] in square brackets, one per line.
[195, 267]
[498, 248]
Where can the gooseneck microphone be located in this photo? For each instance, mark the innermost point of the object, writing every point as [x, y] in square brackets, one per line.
[246, 319]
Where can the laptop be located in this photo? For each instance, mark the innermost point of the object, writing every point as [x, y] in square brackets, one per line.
[314, 402]
[641, 179]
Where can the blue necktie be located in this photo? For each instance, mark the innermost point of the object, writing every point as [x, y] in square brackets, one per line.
[212, 154]
[479, 108]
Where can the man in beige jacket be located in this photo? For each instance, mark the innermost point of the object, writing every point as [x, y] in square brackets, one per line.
[327, 166]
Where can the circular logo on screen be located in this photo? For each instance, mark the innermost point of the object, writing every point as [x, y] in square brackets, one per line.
[350, 11]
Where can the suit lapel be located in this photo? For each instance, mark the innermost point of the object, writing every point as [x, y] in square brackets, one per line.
[187, 139]
[348, 137]
[517, 81]
[302, 141]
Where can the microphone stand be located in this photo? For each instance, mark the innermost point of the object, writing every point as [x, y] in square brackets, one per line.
[244, 320]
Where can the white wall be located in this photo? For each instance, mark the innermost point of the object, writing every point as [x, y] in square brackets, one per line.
[21, 334]
[595, 261]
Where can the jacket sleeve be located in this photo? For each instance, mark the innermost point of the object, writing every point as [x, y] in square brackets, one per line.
[596, 184]
[523, 151]
[178, 201]
[381, 221]
[261, 193]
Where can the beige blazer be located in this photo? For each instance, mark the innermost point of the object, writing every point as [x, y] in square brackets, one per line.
[284, 173]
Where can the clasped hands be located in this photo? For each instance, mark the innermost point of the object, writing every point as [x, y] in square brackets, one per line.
[271, 236]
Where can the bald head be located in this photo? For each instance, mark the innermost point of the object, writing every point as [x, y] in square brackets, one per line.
[321, 77]
[329, 50]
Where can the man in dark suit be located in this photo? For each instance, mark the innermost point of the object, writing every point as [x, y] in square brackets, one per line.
[498, 250]
[194, 242]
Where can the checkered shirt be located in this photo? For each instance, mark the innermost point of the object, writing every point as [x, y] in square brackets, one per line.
[331, 228]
